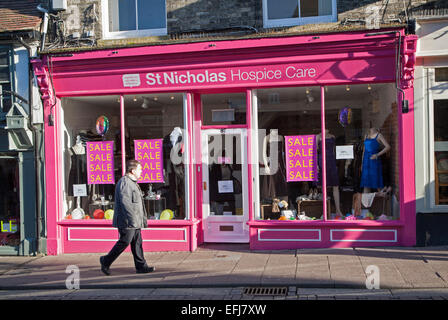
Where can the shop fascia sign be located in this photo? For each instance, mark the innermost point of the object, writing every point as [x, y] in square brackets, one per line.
[200, 77]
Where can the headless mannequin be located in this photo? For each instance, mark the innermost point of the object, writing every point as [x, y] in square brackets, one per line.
[335, 188]
[372, 133]
[272, 137]
[274, 184]
[78, 148]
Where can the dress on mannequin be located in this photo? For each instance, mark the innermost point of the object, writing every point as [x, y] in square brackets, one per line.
[330, 160]
[173, 187]
[330, 164]
[372, 172]
[78, 169]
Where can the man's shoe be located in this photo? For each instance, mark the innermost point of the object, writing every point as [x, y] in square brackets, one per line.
[104, 269]
[146, 269]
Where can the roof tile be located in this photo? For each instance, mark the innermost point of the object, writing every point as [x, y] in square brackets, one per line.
[18, 15]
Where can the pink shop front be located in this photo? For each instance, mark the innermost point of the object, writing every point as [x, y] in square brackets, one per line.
[278, 142]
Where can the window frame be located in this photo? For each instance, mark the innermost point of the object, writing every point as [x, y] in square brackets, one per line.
[189, 173]
[255, 148]
[288, 22]
[110, 35]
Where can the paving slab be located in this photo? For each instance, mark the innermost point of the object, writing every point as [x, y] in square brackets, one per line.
[314, 276]
[419, 274]
[280, 268]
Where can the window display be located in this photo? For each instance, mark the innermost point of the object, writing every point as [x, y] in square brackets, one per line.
[155, 137]
[287, 119]
[92, 156]
[363, 128]
[9, 201]
[93, 161]
[361, 153]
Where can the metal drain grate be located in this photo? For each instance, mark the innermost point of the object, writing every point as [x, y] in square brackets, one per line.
[266, 291]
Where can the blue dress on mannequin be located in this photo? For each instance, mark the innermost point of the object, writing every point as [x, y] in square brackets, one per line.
[372, 172]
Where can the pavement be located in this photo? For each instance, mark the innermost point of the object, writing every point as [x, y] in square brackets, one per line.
[232, 272]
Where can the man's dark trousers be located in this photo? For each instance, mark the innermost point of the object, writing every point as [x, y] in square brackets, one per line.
[132, 237]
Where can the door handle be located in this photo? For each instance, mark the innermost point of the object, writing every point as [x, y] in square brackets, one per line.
[205, 185]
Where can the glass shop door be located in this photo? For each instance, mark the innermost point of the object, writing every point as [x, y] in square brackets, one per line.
[225, 206]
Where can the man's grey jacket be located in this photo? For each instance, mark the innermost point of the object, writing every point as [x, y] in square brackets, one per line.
[129, 209]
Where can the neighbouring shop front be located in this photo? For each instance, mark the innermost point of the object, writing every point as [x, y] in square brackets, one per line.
[431, 112]
[20, 223]
[280, 142]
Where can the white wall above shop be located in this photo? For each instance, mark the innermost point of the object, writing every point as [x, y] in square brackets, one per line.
[432, 37]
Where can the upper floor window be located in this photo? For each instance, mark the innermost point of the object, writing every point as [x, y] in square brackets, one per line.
[279, 13]
[6, 76]
[441, 74]
[133, 18]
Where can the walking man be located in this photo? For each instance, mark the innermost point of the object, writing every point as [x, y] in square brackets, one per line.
[129, 217]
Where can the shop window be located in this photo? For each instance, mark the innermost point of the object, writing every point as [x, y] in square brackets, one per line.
[361, 153]
[91, 125]
[441, 151]
[288, 181]
[134, 18]
[298, 12]
[441, 74]
[9, 202]
[157, 122]
[223, 109]
[153, 135]
[362, 165]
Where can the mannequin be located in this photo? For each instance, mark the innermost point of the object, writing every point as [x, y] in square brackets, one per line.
[273, 181]
[372, 173]
[174, 170]
[78, 173]
[331, 169]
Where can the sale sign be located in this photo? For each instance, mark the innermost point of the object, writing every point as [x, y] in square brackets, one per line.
[149, 153]
[100, 162]
[301, 158]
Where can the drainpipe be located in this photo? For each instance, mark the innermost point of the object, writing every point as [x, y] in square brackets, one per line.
[44, 26]
[37, 152]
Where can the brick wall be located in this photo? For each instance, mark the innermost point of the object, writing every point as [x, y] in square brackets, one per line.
[390, 132]
[388, 10]
[187, 15]
[82, 17]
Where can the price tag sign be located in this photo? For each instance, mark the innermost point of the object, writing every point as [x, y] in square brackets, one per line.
[80, 190]
[344, 152]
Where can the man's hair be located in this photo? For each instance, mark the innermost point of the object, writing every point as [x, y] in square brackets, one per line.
[132, 165]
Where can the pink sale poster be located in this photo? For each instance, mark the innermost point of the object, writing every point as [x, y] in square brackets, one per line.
[100, 162]
[301, 158]
[149, 153]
